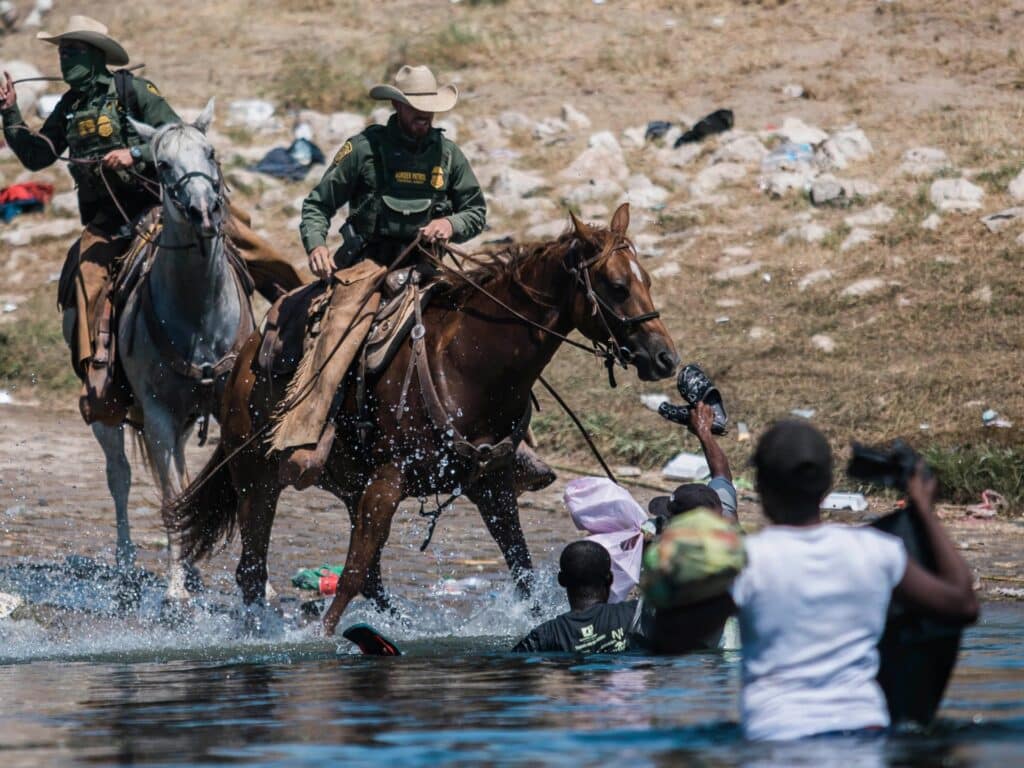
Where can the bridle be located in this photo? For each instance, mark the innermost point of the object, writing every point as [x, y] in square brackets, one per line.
[614, 353]
[173, 190]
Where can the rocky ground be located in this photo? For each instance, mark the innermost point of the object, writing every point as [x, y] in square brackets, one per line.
[850, 248]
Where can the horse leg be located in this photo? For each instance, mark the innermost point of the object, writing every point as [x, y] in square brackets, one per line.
[255, 521]
[373, 585]
[119, 481]
[495, 497]
[161, 436]
[370, 529]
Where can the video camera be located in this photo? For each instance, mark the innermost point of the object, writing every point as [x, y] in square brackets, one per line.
[890, 468]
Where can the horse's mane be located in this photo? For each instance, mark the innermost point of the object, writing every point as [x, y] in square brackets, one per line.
[494, 266]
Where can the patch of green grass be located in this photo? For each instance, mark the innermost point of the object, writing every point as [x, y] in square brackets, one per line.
[965, 472]
[835, 238]
[997, 180]
[32, 349]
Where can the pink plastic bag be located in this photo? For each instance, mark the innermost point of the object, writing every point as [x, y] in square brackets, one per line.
[607, 511]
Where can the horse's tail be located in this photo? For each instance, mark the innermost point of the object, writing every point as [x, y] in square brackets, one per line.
[206, 511]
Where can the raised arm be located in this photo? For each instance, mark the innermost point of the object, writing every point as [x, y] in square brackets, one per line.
[949, 593]
[701, 420]
[35, 151]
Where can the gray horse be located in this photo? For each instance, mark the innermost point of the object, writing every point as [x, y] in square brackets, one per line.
[179, 329]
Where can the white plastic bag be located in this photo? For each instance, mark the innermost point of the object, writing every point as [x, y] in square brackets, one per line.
[613, 518]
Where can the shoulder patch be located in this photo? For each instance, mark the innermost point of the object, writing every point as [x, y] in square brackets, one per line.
[152, 88]
[345, 151]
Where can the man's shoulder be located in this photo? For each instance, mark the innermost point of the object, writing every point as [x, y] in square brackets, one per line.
[144, 89]
[356, 148]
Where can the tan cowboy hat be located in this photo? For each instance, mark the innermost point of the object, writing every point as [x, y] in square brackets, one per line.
[86, 30]
[417, 87]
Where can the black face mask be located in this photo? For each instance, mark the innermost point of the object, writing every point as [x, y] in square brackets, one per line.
[80, 67]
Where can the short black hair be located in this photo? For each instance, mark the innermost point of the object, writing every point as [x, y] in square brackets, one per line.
[794, 467]
[585, 565]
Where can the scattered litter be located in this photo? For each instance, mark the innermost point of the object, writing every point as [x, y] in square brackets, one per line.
[323, 579]
[766, 276]
[991, 418]
[789, 156]
[722, 319]
[9, 307]
[687, 466]
[719, 121]
[292, 163]
[991, 504]
[742, 432]
[845, 500]
[5, 397]
[26, 197]
[1008, 592]
[627, 470]
[924, 426]
[653, 402]
[656, 129]
[793, 91]
[8, 604]
[804, 413]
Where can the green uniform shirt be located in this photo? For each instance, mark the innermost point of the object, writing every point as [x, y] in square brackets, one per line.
[90, 124]
[393, 184]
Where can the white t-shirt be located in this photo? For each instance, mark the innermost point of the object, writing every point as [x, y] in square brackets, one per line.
[812, 606]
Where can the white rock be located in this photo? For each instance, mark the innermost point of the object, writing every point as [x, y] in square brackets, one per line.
[668, 157]
[737, 251]
[924, 161]
[251, 114]
[547, 230]
[605, 140]
[43, 230]
[574, 118]
[796, 130]
[872, 217]
[601, 160]
[714, 176]
[736, 272]
[635, 137]
[823, 342]
[845, 146]
[449, 126]
[647, 244]
[955, 195]
[744, 148]
[982, 295]
[1016, 187]
[27, 92]
[540, 207]
[593, 191]
[858, 236]
[757, 333]
[547, 129]
[380, 116]
[65, 203]
[810, 232]
[997, 222]
[931, 222]
[671, 178]
[515, 121]
[793, 91]
[826, 190]
[813, 278]
[859, 188]
[666, 270]
[46, 103]
[863, 287]
[511, 181]
[642, 193]
[343, 125]
[781, 183]
[250, 182]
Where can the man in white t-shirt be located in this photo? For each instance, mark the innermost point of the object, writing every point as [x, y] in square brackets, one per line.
[813, 599]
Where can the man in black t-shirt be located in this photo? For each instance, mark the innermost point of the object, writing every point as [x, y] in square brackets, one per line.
[592, 625]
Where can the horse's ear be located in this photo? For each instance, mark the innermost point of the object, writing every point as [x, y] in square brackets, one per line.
[146, 132]
[205, 118]
[582, 230]
[620, 220]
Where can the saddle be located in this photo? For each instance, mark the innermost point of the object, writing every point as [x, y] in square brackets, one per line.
[295, 319]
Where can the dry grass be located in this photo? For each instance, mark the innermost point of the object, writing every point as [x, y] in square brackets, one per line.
[930, 348]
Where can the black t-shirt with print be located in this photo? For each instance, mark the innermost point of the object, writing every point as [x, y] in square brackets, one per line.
[602, 628]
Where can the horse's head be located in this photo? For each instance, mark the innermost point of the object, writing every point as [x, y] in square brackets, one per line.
[188, 172]
[613, 298]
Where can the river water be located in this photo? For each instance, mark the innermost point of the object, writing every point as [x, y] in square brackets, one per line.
[80, 685]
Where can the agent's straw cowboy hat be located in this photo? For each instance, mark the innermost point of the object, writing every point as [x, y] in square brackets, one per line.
[85, 30]
[417, 87]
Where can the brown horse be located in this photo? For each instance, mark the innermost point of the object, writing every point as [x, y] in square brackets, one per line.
[480, 360]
